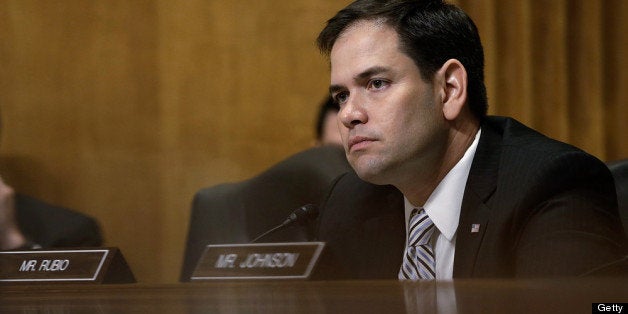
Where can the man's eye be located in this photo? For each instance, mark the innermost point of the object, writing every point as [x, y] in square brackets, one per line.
[341, 98]
[377, 84]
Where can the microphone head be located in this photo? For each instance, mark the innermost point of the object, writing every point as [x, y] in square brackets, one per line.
[303, 214]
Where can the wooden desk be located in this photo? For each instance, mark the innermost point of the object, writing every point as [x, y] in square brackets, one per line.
[355, 297]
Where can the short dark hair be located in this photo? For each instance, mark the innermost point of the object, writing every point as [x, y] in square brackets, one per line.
[430, 32]
[328, 104]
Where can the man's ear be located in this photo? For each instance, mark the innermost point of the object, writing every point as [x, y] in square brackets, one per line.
[454, 91]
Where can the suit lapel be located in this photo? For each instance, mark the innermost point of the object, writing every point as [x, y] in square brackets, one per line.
[386, 245]
[474, 214]
[384, 228]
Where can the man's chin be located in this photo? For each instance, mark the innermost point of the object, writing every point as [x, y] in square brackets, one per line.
[369, 174]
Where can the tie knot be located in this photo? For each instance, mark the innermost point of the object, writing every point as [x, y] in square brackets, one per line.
[421, 228]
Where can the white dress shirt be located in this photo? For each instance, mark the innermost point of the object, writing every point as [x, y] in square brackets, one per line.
[443, 208]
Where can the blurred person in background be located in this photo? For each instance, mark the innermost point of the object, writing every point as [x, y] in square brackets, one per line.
[327, 123]
[28, 223]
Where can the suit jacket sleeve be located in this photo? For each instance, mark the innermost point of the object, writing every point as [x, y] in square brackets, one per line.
[52, 226]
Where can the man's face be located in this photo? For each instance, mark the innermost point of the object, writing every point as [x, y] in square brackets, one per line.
[391, 121]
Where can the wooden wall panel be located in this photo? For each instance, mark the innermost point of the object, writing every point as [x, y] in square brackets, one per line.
[615, 78]
[585, 75]
[556, 66]
[549, 79]
[79, 113]
[123, 109]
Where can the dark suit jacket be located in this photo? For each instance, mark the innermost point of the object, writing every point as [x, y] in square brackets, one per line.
[545, 208]
[52, 226]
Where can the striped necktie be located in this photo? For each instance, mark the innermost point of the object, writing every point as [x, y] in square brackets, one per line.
[418, 262]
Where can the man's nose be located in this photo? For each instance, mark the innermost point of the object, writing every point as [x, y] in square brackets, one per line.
[353, 112]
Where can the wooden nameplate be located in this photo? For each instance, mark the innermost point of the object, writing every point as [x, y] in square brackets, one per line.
[79, 265]
[294, 260]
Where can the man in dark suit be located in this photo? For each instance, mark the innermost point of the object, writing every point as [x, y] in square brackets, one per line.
[440, 190]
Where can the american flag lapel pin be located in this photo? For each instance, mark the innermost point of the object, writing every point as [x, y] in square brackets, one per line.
[475, 228]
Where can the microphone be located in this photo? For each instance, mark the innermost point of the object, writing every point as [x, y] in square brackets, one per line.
[301, 215]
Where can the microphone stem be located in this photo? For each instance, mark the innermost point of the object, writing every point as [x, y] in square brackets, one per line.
[268, 232]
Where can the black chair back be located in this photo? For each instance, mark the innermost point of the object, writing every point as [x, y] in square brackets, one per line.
[619, 169]
[239, 212]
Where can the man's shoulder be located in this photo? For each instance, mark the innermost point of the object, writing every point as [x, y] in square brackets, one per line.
[522, 145]
[529, 160]
[55, 226]
[517, 136]
[29, 205]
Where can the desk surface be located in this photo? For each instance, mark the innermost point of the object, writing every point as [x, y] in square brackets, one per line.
[467, 296]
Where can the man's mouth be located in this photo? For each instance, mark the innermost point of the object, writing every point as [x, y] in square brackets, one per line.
[358, 143]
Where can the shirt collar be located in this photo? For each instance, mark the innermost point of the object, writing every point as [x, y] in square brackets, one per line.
[444, 204]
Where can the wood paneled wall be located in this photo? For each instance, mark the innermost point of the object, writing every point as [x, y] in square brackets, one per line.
[560, 66]
[123, 109]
